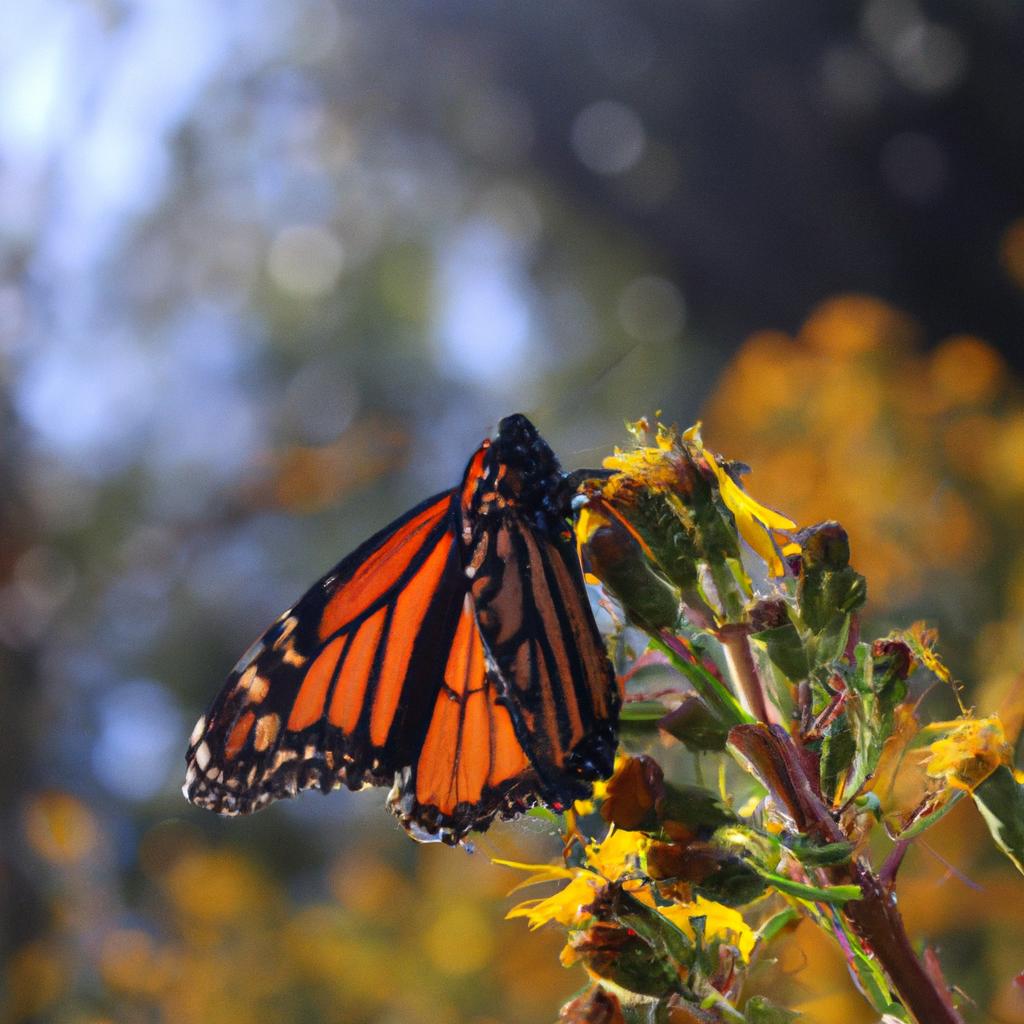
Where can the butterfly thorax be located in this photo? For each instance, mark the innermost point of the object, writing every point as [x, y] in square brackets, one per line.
[516, 473]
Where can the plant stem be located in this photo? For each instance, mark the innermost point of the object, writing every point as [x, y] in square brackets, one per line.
[734, 637]
[880, 927]
[875, 917]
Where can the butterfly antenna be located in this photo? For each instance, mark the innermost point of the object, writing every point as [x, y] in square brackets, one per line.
[572, 398]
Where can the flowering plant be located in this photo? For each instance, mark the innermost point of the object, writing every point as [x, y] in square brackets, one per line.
[739, 640]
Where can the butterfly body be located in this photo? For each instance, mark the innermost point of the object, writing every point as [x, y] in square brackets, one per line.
[452, 656]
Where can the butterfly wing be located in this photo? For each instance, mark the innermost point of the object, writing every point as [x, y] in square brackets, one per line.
[560, 689]
[533, 613]
[471, 765]
[453, 655]
[377, 671]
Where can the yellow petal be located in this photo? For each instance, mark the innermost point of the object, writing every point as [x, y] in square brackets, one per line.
[971, 750]
[721, 922]
[619, 853]
[565, 906]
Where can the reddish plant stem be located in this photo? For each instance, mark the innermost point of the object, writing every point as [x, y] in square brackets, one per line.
[874, 917]
[880, 927]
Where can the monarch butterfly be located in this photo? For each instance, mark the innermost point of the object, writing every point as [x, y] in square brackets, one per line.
[453, 656]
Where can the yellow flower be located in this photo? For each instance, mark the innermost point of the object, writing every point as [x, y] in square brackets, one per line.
[720, 922]
[618, 854]
[657, 468]
[969, 752]
[565, 906]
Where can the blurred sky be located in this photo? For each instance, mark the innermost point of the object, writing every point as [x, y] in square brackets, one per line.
[269, 269]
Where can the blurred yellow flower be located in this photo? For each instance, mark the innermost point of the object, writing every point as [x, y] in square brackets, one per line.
[969, 752]
[60, 827]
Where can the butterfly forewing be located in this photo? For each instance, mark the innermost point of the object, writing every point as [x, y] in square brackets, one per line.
[330, 692]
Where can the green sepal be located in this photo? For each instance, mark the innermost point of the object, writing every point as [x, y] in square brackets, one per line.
[813, 855]
[616, 558]
[734, 884]
[645, 954]
[829, 588]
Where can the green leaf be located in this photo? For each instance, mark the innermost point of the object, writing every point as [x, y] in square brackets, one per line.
[694, 724]
[838, 749]
[833, 894]
[777, 924]
[642, 711]
[1000, 798]
[694, 807]
[786, 650]
[760, 1010]
[545, 815]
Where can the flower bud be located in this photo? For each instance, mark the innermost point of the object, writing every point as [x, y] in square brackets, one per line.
[618, 561]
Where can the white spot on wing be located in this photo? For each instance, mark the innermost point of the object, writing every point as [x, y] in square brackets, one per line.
[202, 756]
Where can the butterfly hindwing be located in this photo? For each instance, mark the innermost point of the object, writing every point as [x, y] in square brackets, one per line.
[471, 765]
[537, 626]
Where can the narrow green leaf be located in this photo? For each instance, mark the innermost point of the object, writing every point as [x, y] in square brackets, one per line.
[642, 711]
[776, 924]
[834, 894]
[717, 697]
[1000, 798]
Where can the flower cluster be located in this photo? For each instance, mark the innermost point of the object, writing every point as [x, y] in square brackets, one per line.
[744, 633]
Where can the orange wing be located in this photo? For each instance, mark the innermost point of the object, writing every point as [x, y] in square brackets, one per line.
[471, 765]
[536, 623]
[347, 688]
